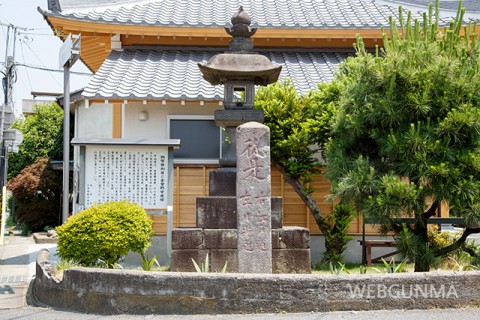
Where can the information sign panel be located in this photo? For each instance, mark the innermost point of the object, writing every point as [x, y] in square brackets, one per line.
[136, 173]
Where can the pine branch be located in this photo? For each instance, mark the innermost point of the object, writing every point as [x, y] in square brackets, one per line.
[431, 211]
[470, 251]
[306, 198]
[458, 244]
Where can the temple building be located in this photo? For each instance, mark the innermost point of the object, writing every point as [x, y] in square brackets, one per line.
[147, 84]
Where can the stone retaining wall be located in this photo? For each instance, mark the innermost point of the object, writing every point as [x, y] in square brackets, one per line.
[136, 292]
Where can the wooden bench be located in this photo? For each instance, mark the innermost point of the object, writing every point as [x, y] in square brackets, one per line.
[368, 244]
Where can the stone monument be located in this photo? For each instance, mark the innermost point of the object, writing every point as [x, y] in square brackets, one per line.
[240, 193]
[254, 216]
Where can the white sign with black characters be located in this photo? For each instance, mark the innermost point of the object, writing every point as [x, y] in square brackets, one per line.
[138, 174]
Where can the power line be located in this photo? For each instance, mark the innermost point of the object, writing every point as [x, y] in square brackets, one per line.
[36, 34]
[28, 76]
[4, 35]
[8, 24]
[38, 58]
[28, 46]
[52, 70]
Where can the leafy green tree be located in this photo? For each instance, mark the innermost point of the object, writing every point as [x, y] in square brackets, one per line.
[407, 132]
[42, 137]
[299, 127]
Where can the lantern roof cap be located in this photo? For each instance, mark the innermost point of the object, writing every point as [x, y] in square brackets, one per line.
[240, 63]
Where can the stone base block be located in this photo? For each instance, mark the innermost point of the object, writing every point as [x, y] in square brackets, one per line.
[220, 238]
[283, 260]
[217, 212]
[291, 261]
[182, 259]
[276, 239]
[227, 239]
[221, 212]
[294, 238]
[187, 238]
[277, 210]
[223, 182]
[197, 238]
[220, 257]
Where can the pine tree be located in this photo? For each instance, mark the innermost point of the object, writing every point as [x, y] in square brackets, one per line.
[407, 133]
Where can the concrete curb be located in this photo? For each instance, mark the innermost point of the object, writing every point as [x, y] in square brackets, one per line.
[105, 291]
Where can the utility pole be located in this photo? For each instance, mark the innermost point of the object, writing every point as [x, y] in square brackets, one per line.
[8, 138]
[6, 107]
[68, 55]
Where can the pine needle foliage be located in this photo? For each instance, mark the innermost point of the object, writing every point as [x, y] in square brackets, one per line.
[407, 132]
[336, 235]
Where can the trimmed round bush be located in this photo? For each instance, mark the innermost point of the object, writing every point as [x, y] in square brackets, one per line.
[104, 232]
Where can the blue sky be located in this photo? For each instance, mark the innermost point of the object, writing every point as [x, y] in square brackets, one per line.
[38, 47]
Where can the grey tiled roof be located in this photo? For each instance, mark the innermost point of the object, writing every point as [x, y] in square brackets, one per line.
[174, 75]
[470, 5]
[358, 14]
[79, 5]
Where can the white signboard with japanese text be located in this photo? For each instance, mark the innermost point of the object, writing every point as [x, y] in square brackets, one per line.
[135, 173]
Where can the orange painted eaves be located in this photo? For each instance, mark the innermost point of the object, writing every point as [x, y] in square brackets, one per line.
[61, 23]
[145, 30]
[96, 37]
[94, 50]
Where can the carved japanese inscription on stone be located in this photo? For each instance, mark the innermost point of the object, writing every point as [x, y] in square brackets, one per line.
[137, 174]
[253, 199]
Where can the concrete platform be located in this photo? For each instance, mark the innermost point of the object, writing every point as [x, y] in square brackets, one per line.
[42, 237]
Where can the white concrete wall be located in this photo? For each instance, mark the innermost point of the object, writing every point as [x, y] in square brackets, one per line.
[156, 125]
[27, 104]
[94, 122]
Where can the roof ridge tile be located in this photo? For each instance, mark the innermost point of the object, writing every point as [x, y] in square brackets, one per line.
[265, 13]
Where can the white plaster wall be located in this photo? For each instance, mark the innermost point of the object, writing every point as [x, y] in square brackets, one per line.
[156, 125]
[94, 122]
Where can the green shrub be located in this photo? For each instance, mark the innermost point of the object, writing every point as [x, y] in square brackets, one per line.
[37, 191]
[463, 258]
[336, 235]
[104, 232]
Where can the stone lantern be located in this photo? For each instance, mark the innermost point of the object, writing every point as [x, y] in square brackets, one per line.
[239, 70]
[258, 243]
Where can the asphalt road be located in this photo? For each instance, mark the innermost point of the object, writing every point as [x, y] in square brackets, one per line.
[448, 314]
